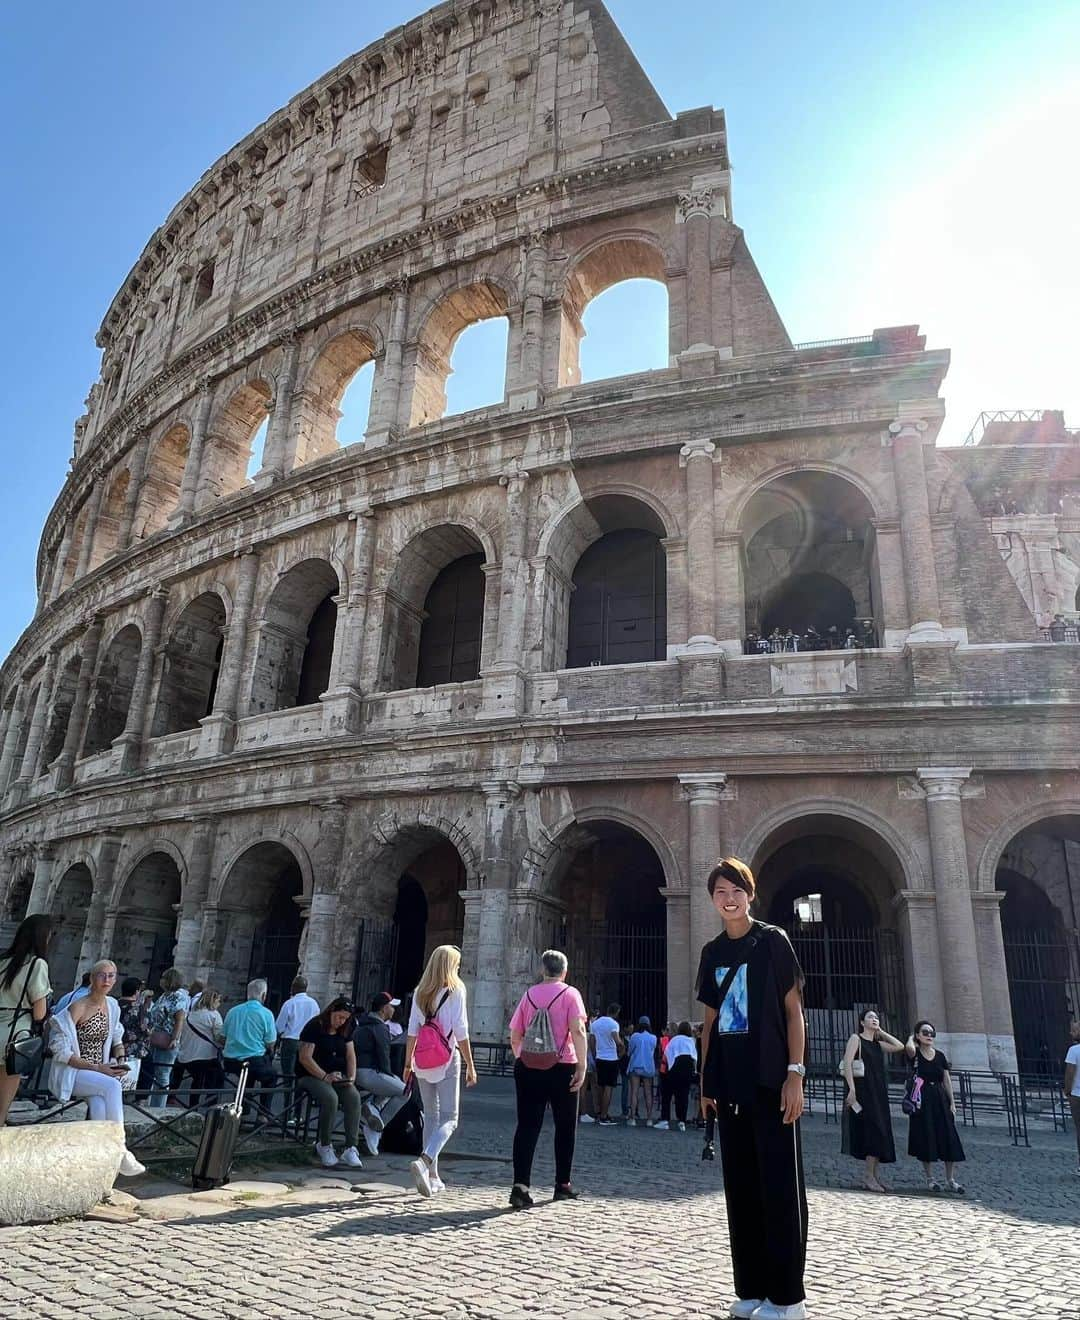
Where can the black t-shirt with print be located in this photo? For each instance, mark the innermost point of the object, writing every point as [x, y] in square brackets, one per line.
[329, 1050]
[748, 1045]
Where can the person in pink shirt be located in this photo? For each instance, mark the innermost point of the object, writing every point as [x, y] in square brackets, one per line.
[539, 1082]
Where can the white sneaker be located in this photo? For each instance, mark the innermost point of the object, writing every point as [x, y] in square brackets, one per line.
[372, 1116]
[770, 1311]
[650, 1123]
[662, 1126]
[130, 1166]
[437, 1184]
[370, 1139]
[328, 1156]
[421, 1176]
[743, 1309]
[351, 1157]
[586, 1118]
[682, 1127]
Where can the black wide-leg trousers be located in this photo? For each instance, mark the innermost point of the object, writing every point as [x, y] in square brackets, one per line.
[766, 1199]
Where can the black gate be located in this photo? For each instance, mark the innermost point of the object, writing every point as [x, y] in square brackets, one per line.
[275, 956]
[376, 953]
[847, 969]
[1044, 992]
[161, 955]
[616, 962]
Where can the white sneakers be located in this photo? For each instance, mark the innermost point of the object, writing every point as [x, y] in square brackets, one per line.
[370, 1139]
[662, 1126]
[421, 1176]
[588, 1118]
[744, 1308]
[682, 1127]
[327, 1155]
[351, 1157]
[130, 1166]
[770, 1311]
[437, 1184]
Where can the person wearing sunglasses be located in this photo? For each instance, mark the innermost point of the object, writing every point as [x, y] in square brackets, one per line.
[932, 1133]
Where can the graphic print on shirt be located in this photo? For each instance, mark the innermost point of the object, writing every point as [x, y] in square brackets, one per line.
[733, 1018]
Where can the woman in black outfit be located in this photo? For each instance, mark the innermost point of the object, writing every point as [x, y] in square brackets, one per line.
[867, 1133]
[753, 1041]
[932, 1133]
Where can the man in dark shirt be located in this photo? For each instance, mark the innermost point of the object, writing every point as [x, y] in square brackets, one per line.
[384, 1093]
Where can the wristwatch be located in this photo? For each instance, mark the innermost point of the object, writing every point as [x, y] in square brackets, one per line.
[797, 1068]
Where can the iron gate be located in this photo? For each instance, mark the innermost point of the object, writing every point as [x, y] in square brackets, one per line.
[847, 969]
[275, 956]
[616, 962]
[1044, 992]
[376, 954]
[161, 954]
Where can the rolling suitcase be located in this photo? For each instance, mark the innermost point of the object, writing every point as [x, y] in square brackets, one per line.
[213, 1161]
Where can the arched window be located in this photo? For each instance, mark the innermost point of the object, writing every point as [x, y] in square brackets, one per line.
[109, 517]
[60, 715]
[477, 377]
[453, 624]
[435, 348]
[190, 673]
[112, 691]
[232, 437]
[630, 327]
[331, 407]
[618, 611]
[296, 639]
[161, 483]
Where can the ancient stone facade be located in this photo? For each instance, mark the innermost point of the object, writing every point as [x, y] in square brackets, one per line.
[484, 678]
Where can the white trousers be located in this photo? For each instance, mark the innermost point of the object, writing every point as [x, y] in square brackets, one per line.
[104, 1096]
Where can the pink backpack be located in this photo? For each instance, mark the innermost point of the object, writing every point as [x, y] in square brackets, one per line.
[433, 1048]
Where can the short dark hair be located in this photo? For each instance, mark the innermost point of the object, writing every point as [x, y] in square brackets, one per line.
[684, 1029]
[129, 985]
[338, 1005]
[924, 1022]
[735, 873]
[613, 1010]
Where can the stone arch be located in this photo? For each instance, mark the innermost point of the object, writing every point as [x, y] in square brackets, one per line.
[63, 699]
[162, 479]
[878, 502]
[442, 321]
[146, 903]
[192, 659]
[69, 903]
[538, 862]
[229, 439]
[1010, 827]
[107, 530]
[316, 402]
[113, 686]
[427, 553]
[598, 266]
[295, 649]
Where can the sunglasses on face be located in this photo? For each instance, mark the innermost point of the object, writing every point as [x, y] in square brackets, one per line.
[927, 1032]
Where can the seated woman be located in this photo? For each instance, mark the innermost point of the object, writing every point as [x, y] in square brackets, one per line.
[326, 1069]
[88, 1055]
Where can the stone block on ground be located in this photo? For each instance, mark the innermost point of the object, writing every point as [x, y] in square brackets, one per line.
[56, 1169]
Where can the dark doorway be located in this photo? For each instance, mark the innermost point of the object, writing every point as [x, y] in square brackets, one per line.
[275, 946]
[410, 921]
[810, 600]
[453, 626]
[318, 653]
[618, 611]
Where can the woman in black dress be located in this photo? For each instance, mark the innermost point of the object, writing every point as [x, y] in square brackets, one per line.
[932, 1133]
[867, 1133]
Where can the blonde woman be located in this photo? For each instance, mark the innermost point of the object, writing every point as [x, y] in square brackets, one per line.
[438, 1041]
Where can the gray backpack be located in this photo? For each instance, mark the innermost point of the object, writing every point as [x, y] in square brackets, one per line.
[538, 1048]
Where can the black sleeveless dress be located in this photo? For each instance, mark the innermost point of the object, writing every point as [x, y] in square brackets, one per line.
[932, 1133]
[870, 1132]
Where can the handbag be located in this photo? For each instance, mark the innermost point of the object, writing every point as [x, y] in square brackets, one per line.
[858, 1068]
[22, 1057]
[911, 1101]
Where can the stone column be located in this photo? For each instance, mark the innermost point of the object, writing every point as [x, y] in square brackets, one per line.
[11, 736]
[196, 892]
[964, 1017]
[32, 755]
[342, 705]
[681, 960]
[384, 420]
[697, 457]
[136, 471]
[916, 911]
[279, 450]
[94, 943]
[319, 943]
[504, 683]
[56, 584]
[189, 484]
[730, 607]
[920, 571]
[703, 794]
[699, 320]
[997, 1007]
[130, 742]
[219, 727]
[43, 869]
[93, 509]
[65, 762]
[527, 390]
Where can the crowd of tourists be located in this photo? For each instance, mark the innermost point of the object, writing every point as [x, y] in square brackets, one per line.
[848, 637]
[745, 1060]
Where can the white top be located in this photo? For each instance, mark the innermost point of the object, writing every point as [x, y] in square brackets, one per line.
[193, 1047]
[677, 1046]
[604, 1030]
[1073, 1057]
[296, 1012]
[37, 987]
[64, 1043]
[453, 1018]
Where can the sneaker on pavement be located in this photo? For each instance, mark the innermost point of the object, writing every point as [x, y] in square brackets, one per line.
[771, 1311]
[421, 1176]
[586, 1118]
[351, 1157]
[682, 1127]
[565, 1193]
[662, 1126]
[744, 1308]
[370, 1139]
[371, 1116]
[437, 1184]
[520, 1198]
[130, 1166]
[328, 1156]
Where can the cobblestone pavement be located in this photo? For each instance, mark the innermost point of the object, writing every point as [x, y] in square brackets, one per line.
[647, 1240]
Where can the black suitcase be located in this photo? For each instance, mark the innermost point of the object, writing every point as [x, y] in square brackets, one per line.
[213, 1161]
[404, 1134]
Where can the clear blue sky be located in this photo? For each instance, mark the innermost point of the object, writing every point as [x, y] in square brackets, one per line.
[893, 163]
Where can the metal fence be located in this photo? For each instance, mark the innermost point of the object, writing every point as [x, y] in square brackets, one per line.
[617, 962]
[1044, 992]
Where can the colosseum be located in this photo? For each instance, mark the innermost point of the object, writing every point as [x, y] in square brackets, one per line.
[515, 676]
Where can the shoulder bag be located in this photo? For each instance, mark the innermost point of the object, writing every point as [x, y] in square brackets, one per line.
[22, 1056]
[858, 1068]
